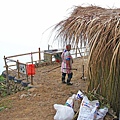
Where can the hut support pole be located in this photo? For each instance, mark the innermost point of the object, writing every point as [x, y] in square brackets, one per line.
[82, 71]
[76, 52]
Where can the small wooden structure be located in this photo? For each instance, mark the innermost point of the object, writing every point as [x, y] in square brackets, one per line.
[48, 54]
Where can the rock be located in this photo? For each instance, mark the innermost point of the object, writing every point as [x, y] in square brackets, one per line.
[30, 86]
[23, 96]
[32, 90]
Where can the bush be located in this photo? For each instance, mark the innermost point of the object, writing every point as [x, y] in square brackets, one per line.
[2, 78]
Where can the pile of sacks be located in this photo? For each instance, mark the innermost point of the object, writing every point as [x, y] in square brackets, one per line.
[88, 110]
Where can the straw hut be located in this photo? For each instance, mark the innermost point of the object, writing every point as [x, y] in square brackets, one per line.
[99, 28]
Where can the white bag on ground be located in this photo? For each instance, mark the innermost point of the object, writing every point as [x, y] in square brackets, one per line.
[63, 112]
[70, 101]
[101, 113]
[87, 109]
[79, 95]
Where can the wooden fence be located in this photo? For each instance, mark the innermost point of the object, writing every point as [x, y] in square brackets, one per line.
[38, 61]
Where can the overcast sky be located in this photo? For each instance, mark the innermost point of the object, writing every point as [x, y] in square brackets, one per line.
[23, 22]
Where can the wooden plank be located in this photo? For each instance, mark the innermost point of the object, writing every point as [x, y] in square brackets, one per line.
[21, 55]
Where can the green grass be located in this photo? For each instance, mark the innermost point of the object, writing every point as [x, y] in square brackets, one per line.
[5, 104]
[2, 87]
[1, 78]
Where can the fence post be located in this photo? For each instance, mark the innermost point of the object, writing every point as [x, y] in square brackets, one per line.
[7, 83]
[48, 47]
[31, 75]
[18, 68]
[39, 55]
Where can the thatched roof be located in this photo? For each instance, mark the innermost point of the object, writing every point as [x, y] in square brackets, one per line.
[99, 27]
[84, 22]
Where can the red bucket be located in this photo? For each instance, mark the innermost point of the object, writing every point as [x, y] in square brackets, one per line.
[30, 69]
[57, 60]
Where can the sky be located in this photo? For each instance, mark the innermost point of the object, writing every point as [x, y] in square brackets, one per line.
[25, 24]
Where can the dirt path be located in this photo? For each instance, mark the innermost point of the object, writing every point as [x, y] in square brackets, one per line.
[37, 103]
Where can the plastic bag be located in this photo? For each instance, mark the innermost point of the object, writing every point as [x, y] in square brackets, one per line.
[87, 109]
[70, 101]
[101, 113]
[63, 112]
[79, 95]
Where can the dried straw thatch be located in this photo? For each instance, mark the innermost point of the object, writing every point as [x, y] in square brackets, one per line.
[99, 27]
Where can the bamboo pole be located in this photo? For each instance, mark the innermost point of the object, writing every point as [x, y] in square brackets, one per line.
[79, 52]
[76, 52]
[21, 55]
